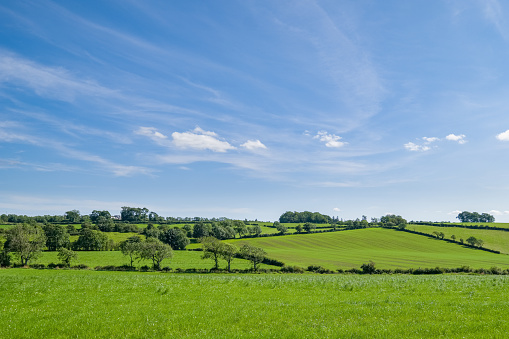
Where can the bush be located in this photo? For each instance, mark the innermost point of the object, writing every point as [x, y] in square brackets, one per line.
[319, 269]
[37, 266]
[80, 267]
[368, 268]
[5, 259]
[292, 269]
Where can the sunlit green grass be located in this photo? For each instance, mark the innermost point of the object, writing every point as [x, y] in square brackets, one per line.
[386, 247]
[75, 304]
[493, 239]
[181, 259]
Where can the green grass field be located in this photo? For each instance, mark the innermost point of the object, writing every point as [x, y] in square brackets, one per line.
[489, 224]
[75, 304]
[387, 248]
[181, 259]
[493, 239]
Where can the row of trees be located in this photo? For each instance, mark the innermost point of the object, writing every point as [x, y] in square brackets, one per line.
[466, 216]
[215, 249]
[306, 216]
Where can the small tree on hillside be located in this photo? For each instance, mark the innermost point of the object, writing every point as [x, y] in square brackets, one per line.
[176, 238]
[472, 241]
[309, 227]
[153, 249]
[228, 252]
[130, 247]
[66, 256]
[26, 241]
[253, 254]
[281, 228]
[211, 249]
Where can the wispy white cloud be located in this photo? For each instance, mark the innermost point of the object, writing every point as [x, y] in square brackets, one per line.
[253, 145]
[494, 13]
[53, 82]
[459, 138]
[330, 140]
[499, 213]
[416, 148]
[200, 140]
[504, 136]
[429, 140]
[335, 209]
[429, 143]
[62, 148]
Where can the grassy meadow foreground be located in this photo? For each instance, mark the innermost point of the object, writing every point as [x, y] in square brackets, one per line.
[69, 303]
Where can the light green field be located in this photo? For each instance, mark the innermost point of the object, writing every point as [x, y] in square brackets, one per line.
[493, 239]
[117, 237]
[387, 248]
[181, 259]
[76, 304]
[489, 224]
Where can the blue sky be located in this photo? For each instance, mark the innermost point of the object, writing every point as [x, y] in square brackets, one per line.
[248, 109]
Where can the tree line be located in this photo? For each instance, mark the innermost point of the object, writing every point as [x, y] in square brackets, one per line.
[466, 216]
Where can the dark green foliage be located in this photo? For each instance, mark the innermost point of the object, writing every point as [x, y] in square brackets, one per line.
[253, 254]
[91, 240]
[66, 256]
[211, 249]
[280, 227]
[56, 236]
[155, 250]
[221, 231]
[368, 268]
[201, 230]
[5, 258]
[309, 227]
[73, 216]
[392, 220]
[95, 215]
[466, 216]
[105, 224]
[306, 216]
[176, 238]
[151, 231]
[26, 241]
[292, 269]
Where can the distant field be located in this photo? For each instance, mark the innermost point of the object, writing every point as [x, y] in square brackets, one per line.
[75, 304]
[489, 224]
[115, 236]
[181, 259]
[387, 248]
[493, 239]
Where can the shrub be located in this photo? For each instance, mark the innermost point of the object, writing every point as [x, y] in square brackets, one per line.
[292, 269]
[368, 268]
[38, 266]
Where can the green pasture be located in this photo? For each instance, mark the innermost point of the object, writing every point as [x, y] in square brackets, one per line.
[493, 239]
[489, 224]
[117, 237]
[386, 247]
[181, 259]
[75, 304]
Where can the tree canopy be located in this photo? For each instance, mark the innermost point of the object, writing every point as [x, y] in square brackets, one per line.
[466, 216]
[306, 216]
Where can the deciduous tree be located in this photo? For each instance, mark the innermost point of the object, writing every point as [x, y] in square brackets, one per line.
[26, 241]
